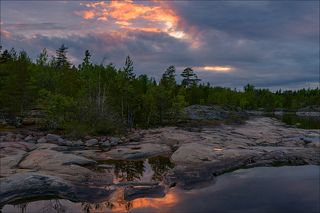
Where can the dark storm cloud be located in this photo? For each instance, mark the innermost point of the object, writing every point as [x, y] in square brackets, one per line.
[270, 44]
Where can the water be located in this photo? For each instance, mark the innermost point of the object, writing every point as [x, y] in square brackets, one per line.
[300, 121]
[148, 170]
[264, 189]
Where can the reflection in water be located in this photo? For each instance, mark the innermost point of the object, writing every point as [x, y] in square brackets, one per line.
[118, 204]
[138, 170]
[160, 165]
[264, 189]
[299, 121]
[125, 170]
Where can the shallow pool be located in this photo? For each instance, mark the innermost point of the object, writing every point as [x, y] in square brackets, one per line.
[263, 189]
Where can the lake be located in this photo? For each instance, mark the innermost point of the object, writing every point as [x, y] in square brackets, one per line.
[261, 189]
[299, 121]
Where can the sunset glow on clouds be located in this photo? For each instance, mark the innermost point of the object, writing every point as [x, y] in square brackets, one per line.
[222, 69]
[155, 17]
[269, 44]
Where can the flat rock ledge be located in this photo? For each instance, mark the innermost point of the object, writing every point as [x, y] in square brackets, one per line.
[39, 165]
[33, 185]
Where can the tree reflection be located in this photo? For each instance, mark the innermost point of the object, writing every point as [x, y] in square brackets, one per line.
[160, 165]
[125, 170]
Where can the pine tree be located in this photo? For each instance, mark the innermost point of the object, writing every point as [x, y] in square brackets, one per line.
[128, 68]
[61, 58]
[86, 61]
[189, 77]
[42, 58]
[168, 77]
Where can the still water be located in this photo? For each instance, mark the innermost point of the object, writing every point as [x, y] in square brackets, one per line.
[300, 121]
[262, 189]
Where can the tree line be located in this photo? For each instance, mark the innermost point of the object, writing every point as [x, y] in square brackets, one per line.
[100, 99]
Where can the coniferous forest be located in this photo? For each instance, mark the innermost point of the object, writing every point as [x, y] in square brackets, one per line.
[96, 98]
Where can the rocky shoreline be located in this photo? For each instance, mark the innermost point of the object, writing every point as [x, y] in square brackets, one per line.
[35, 164]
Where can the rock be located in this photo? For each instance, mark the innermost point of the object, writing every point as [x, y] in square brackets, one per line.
[192, 153]
[114, 141]
[34, 185]
[106, 144]
[130, 152]
[52, 160]
[6, 146]
[105, 166]
[131, 193]
[54, 139]
[310, 111]
[91, 142]
[199, 112]
[46, 146]
[9, 163]
[19, 136]
[190, 177]
[42, 140]
[77, 143]
[67, 143]
[134, 137]
[28, 138]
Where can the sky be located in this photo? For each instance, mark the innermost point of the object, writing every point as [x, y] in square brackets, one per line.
[270, 44]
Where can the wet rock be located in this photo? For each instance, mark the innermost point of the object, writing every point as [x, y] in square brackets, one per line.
[33, 185]
[190, 177]
[131, 193]
[91, 142]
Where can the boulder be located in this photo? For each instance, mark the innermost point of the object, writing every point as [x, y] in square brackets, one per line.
[29, 138]
[42, 140]
[114, 141]
[53, 138]
[106, 144]
[34, 185]
[91, 142]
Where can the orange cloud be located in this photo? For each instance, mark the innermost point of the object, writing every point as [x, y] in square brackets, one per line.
[86, 14]
[223, 69]
[136, 15]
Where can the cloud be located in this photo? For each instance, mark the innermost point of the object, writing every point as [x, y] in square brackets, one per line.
[222, 69]
[153, 17]
[268, 44]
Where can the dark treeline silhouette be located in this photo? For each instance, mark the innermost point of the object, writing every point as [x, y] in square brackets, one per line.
[92, 99]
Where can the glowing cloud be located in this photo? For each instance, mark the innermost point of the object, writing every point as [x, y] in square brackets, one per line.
[86, 14]
[223, 69]
[155, 17]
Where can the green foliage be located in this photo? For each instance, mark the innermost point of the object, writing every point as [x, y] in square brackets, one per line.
[98, 99]
[189, 77]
